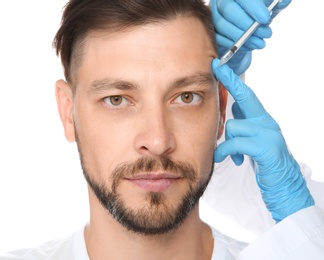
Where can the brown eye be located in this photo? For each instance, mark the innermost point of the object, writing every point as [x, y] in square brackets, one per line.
[116, 100]
[187, 97]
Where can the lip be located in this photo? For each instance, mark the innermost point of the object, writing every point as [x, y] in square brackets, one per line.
[154, 182]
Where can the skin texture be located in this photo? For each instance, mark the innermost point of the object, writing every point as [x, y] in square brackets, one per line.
[145, 93]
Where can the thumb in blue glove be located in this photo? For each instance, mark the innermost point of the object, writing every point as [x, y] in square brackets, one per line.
[255, 133]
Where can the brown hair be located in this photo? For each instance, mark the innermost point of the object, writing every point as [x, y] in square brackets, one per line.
[82, 16]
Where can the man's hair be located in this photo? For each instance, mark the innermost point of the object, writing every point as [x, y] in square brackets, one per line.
[80, 17]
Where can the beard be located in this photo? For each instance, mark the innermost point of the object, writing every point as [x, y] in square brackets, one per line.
[158, 216]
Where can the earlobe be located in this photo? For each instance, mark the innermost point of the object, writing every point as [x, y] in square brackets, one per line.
[222, 107]
[64, 99]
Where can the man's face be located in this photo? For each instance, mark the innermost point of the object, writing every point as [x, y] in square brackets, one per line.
[145, 115]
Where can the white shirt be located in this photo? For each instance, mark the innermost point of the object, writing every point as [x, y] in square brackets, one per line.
[73, 247]
[298, 237]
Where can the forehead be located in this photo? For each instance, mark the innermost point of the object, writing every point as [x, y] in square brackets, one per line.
[160, 50]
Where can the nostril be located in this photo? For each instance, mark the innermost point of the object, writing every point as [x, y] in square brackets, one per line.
[144, 148]
[154, 143]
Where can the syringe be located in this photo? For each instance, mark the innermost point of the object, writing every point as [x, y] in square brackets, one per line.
[231, 51]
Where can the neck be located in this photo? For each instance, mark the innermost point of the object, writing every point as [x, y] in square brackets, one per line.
[108, 239]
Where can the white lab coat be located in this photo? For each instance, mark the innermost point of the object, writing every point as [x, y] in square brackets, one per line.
[297, 237]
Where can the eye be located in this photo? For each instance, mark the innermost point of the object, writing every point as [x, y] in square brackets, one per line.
[188, 98]
[115, 101]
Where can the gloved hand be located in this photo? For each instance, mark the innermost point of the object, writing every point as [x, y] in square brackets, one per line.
[233, 17]
[255, 133]
[278, 8]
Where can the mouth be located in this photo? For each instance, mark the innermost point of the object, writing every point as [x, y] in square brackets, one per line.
[157, 182]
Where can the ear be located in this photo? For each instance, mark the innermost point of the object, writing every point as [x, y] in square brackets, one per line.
[222, 107]
[64, 99]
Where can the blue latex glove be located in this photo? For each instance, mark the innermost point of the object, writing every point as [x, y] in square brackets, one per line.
[233, 17]
[255, 133]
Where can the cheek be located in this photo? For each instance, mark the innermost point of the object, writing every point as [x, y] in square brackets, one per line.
[197, 132]
[104, 140]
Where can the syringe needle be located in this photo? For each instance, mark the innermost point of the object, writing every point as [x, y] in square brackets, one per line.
[228, 55]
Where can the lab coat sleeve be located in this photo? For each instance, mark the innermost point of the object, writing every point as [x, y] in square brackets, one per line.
[234, 193]
[298, 237]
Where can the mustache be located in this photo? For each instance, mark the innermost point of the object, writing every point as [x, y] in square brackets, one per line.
[147, 164]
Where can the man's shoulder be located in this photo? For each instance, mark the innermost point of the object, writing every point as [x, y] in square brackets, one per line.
[63, 248]
[226, 247]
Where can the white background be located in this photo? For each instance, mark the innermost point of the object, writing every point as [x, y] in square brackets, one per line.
[42, 191]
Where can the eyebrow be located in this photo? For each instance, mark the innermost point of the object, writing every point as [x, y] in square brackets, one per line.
[198, 78]
[98, 86]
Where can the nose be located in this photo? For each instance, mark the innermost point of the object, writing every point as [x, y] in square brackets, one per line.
[154, 135]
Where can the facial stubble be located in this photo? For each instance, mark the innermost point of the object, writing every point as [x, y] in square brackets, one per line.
[158, 216]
